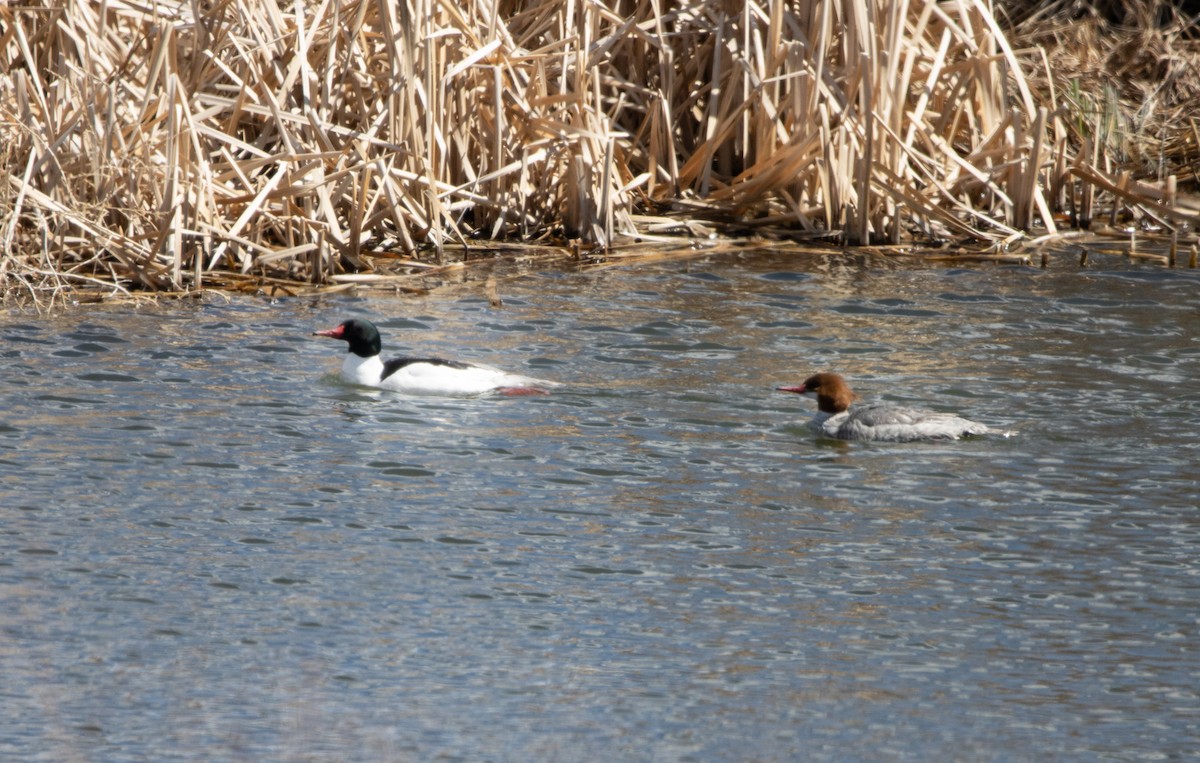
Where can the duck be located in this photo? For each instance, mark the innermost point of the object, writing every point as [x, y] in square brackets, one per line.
[881, 422]
[364, 367]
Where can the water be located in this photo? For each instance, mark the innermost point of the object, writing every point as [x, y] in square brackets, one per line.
[210, 549]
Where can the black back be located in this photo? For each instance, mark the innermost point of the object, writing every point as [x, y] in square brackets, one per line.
[395, 364]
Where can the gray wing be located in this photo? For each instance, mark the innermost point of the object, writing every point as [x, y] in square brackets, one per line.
[901, 423]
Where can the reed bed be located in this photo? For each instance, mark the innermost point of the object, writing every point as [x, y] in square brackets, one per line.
[173, 146]
[1127, 75]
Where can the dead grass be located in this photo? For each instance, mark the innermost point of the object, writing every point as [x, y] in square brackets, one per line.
[172, 146]
[1126, 74]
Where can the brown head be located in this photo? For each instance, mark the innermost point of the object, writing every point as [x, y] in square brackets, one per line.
[832, 391]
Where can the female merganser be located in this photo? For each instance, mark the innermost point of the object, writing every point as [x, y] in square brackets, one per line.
[422, 376]
[880, 421]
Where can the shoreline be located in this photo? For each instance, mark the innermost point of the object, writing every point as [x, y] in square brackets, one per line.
[160, 152]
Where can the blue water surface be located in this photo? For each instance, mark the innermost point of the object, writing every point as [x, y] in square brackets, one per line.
[212, 549]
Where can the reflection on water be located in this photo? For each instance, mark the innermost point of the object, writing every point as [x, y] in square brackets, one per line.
[211, 549]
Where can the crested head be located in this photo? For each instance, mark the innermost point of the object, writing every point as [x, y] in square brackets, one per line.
[361, 335]
[832, 391]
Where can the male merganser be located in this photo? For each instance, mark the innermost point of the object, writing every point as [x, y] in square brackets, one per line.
[422, 376]
[881, 421]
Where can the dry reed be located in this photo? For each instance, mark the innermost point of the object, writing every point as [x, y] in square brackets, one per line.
[1127, 75]
[168, 146]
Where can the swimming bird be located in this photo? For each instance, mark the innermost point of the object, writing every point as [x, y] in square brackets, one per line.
[422, 376]
[879, 421]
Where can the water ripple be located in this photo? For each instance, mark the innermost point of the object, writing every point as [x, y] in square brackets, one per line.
[204, 536]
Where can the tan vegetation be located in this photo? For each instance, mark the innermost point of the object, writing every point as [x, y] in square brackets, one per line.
[1126, 75]
[168, 146]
